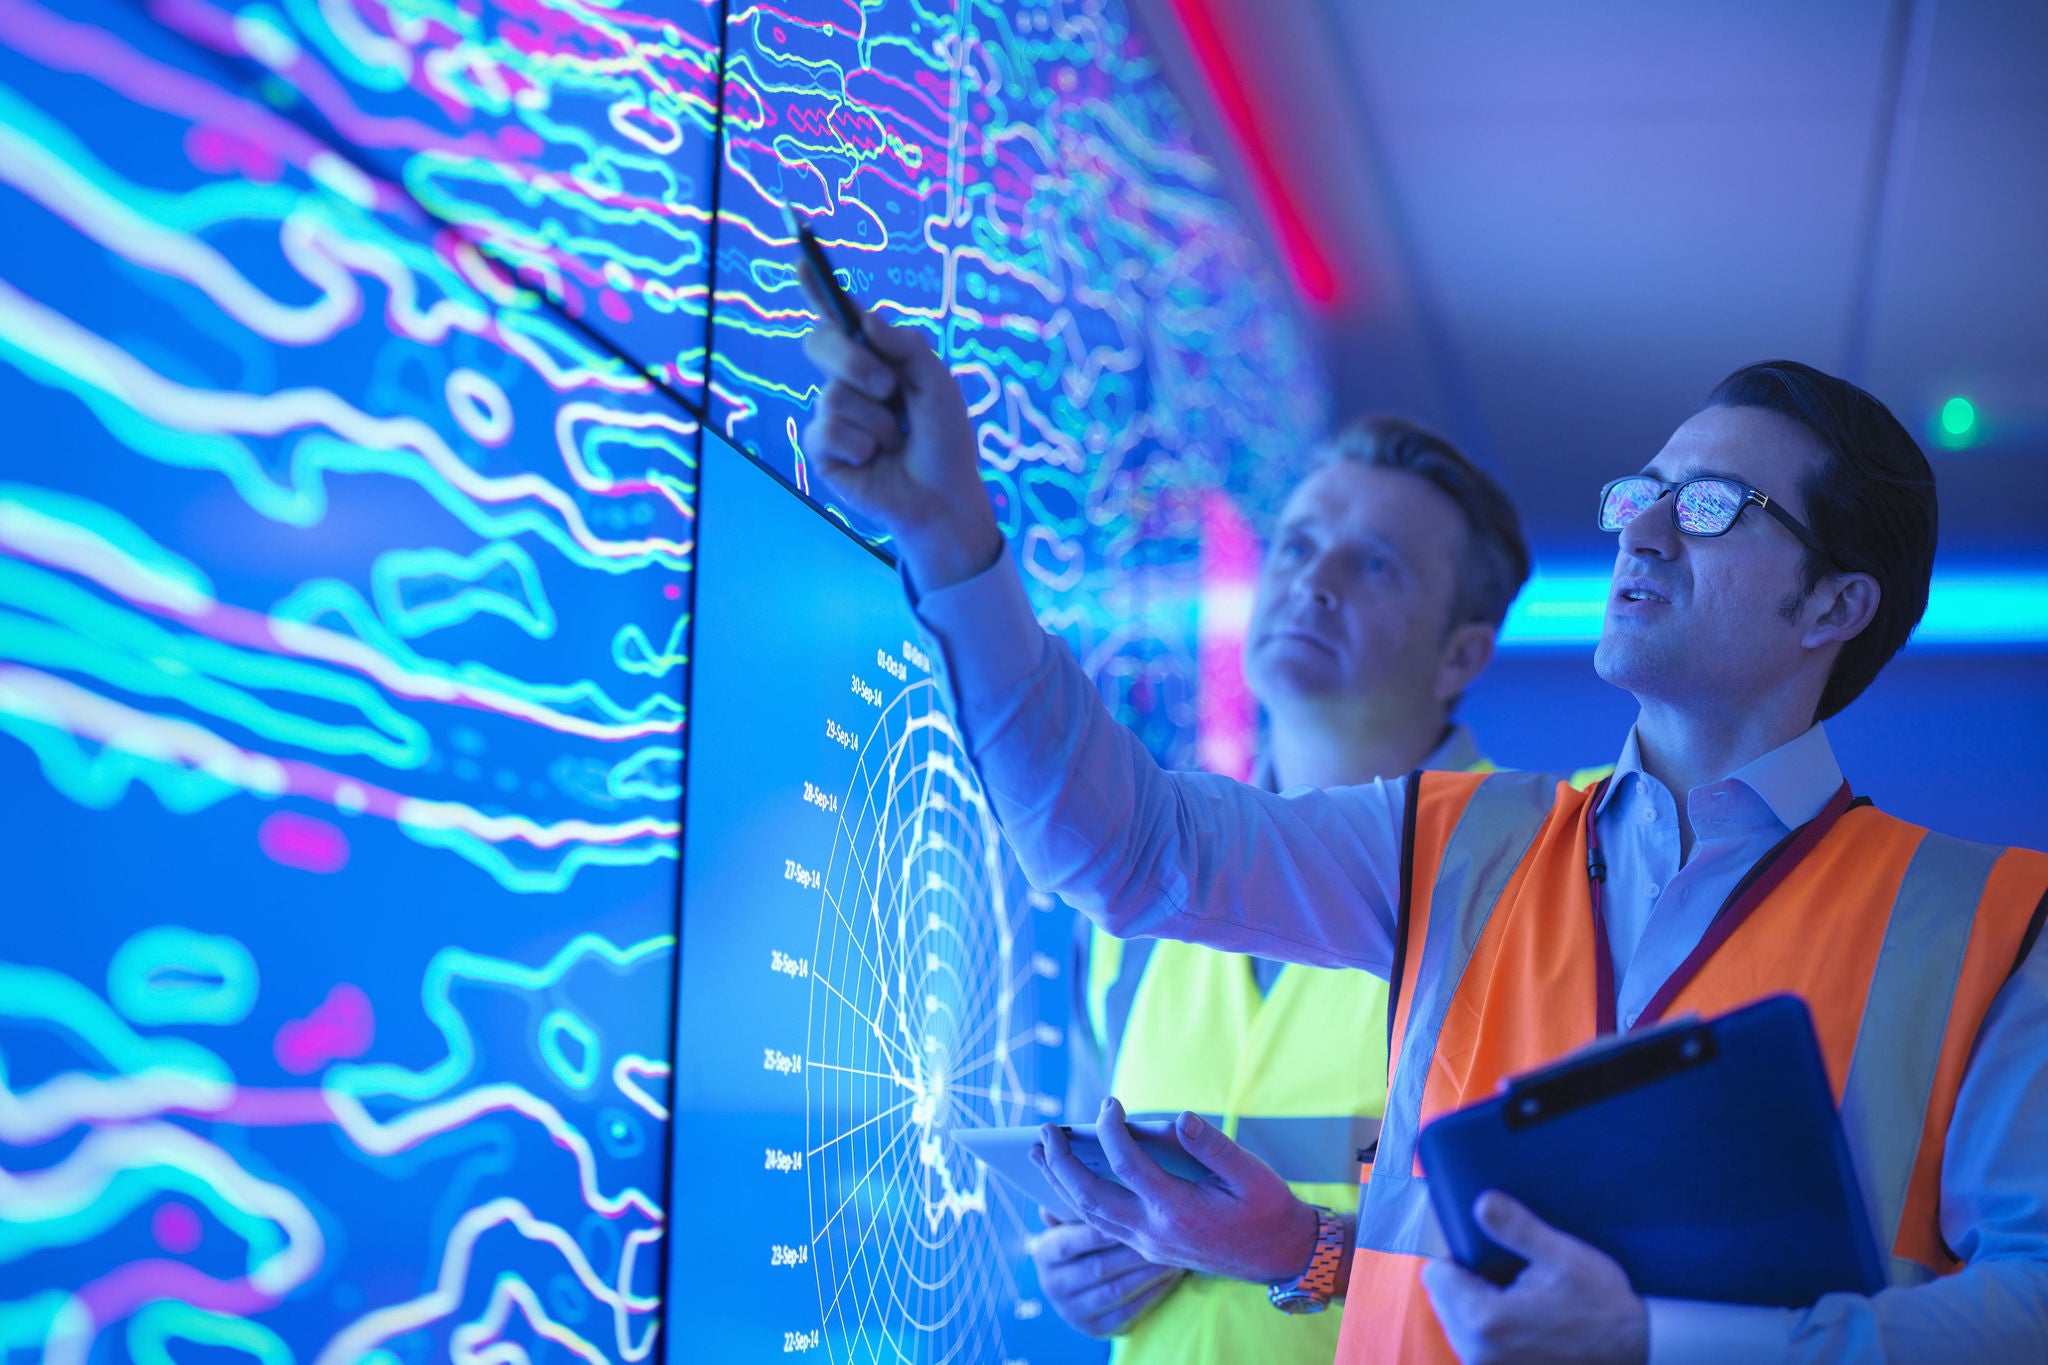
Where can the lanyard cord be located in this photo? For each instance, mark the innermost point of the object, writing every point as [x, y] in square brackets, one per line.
[1747, 895]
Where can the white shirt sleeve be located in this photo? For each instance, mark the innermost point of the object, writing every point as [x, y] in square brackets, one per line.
[1308, 876]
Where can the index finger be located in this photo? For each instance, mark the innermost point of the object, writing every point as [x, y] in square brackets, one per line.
[1133, 1164]
[842, 357]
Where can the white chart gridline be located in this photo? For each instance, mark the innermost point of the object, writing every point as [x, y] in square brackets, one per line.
[910, 1035]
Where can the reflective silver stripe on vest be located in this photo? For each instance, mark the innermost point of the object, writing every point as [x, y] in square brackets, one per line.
[1116, 1004]
[1317, 1149]
[1494, 833]
[1905, 1274]
[1398, 1217]
[1898, 1042]
[1322, 1150]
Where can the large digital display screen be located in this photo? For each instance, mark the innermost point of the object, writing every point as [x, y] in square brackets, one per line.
[340, 744]
[862, 968]
[354, 361]
[573, 142]
[1018, 181]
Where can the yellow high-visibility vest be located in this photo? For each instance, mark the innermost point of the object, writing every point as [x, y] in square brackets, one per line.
[1298, 1076]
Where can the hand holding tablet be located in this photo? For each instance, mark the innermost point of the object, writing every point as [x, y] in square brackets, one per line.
[1009, 1152]
[1180, 1193]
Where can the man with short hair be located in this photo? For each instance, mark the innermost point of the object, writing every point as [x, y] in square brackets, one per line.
[1383, 587]
[1788, 520]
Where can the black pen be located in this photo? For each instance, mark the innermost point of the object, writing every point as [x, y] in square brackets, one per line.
[843, 307]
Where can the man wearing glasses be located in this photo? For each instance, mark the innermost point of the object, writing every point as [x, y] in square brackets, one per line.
[1772, 557]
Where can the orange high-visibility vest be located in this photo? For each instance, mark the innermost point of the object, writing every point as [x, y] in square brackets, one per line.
[1896, 938]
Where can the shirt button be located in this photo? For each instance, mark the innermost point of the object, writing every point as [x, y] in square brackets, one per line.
[1630, 1022]
[1649, 815]
[1654, 890]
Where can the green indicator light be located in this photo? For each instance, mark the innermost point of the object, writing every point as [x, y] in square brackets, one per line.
[1958, 417]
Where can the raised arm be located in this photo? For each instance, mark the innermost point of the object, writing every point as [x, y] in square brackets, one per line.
[1311, 877]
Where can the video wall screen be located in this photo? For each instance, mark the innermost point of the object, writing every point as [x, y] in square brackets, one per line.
[355, 358]
[340, 623]
[572, 142]
[1020, 183]
[864, 969]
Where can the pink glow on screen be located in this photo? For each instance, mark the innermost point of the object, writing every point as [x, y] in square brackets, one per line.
[1227, 716]
[303, 841]
[340, 1028]
[212, 149]
[176, 1228]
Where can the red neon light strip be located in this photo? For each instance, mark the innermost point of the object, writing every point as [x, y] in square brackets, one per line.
[1314, 275]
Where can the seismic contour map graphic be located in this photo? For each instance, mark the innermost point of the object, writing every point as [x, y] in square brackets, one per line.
[1017, 181]
[571, 141]
[873, 978]
[332, 466]
[341, 723]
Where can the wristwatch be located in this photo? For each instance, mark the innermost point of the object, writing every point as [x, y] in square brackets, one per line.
[1312, 1290]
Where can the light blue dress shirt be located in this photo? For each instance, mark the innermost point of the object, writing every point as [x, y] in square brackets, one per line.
[1313, 875]
[1657, 910]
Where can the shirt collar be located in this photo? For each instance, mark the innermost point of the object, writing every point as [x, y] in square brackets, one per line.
[1629, 765]
[1795, 779]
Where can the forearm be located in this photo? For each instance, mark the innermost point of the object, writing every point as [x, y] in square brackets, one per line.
[1994, 1213]
[1993, 1310]
[1312, 877]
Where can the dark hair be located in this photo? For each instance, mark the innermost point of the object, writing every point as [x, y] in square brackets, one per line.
[1870, 502]
[1495, 561]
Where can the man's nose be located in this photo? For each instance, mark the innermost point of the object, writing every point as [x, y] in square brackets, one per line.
[1317, 583]
[1654, 533]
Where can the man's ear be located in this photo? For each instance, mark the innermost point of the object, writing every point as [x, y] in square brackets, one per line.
[1467, 650]
[1847, 602]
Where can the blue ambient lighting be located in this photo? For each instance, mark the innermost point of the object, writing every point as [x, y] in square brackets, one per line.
[1964, 609]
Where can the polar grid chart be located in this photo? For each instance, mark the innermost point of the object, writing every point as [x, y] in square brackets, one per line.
[864, 973]
[910, 1036]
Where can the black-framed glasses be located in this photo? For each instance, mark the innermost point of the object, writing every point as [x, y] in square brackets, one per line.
[1706, 506]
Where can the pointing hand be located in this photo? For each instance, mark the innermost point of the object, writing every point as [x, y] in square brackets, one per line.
[918, 476]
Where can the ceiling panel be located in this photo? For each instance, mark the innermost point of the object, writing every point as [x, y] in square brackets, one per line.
[1962, 300]
[1498, 56]
[1599, 276]
[1580, 215]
